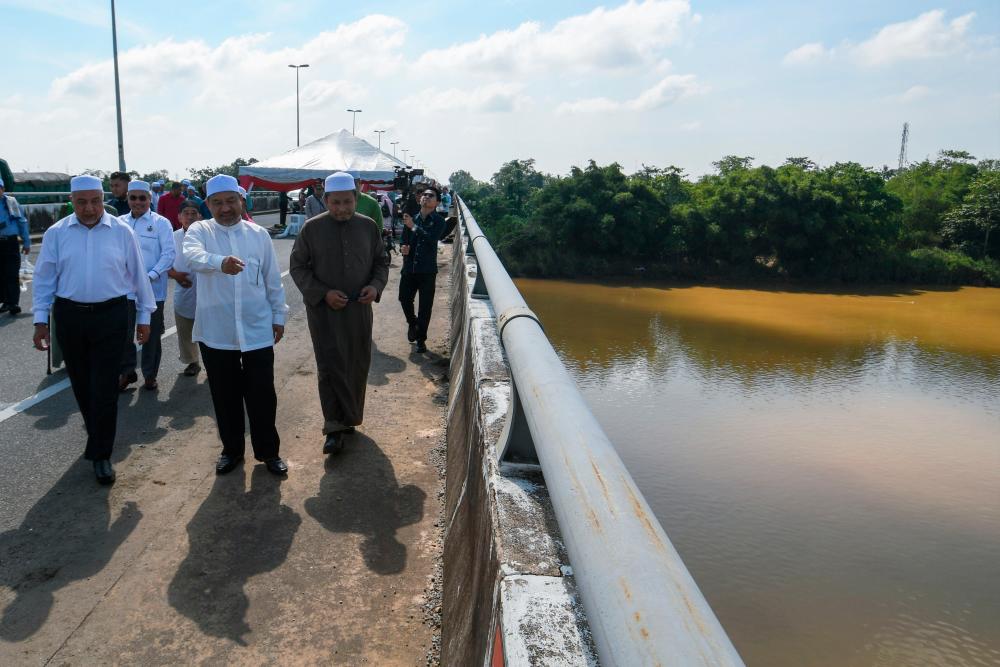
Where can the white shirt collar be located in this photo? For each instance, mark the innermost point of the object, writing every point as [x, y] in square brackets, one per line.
[105, 220]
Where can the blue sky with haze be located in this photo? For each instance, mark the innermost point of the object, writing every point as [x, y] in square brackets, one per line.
[472, 85]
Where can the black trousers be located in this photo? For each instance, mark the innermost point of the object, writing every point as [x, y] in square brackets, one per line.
[237, 379]
[91, 338]
[10, 266]
[411, 284]
[152, 350]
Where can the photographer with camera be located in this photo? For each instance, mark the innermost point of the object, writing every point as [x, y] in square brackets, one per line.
[418, 246]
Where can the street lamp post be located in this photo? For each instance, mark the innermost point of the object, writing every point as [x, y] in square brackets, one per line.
[404, 151]
[393, 144]
[118, 94]
[379, 133]
[297, 67]
[354, 118]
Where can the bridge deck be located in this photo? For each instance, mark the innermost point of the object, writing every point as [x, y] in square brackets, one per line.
[177, 566]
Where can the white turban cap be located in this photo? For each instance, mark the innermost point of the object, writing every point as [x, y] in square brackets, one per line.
[339, 182]
[221, 183]
[141, 186]
[78, 183]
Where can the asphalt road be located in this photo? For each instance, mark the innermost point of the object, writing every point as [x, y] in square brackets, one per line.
[40, 445]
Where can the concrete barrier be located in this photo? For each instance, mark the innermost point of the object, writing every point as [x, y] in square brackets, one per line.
[509, 593]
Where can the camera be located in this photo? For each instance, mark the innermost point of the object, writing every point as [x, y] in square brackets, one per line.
[403, 182]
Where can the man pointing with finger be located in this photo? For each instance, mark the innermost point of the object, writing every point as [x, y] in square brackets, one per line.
[90, 262]
[239, 317]
[339, 266]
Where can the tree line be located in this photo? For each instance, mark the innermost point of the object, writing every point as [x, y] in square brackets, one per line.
[937, 221]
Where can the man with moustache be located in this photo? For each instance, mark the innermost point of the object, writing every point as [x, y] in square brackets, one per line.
[156, 242]
[89, 263]
[338, 264]
[239, 318]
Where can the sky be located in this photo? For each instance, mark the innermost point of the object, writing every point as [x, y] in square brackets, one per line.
[473, 85]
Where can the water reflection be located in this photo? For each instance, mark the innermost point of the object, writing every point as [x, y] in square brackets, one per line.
[828, 465]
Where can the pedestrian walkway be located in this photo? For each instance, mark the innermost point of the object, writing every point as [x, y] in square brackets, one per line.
[337, 564]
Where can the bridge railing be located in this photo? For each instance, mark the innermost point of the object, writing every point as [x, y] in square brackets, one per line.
[642, 605]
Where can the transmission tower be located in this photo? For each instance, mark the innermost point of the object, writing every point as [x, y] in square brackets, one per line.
[902, 146]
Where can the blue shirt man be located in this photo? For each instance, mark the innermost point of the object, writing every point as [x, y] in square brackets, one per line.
[12, 224]
[418, 246]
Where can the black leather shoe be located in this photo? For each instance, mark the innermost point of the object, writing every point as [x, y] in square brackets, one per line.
[4, 308]
[276, 466]
[104, 472]
[14, 311]
[227, 463]
[411, 332]
[334, 443]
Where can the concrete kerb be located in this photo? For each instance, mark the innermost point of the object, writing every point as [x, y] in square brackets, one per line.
[507, 582]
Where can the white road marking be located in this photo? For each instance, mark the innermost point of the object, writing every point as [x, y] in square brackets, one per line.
[51, 391]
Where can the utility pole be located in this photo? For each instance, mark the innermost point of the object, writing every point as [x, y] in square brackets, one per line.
[393, 144]
[404, 151]
[118, 94]
[379, 133]
[902, 146]
[354, 118]
[297, 67]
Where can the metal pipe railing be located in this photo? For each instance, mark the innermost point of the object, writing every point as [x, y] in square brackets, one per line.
[642, 605]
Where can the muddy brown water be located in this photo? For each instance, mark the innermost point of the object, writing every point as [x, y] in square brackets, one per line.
[827, 464]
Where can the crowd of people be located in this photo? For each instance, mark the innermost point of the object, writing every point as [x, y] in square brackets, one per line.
[104, 270]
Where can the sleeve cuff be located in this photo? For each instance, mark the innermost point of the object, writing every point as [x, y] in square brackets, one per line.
[142, 317]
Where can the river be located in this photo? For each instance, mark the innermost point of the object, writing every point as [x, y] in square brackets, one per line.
[827, 464]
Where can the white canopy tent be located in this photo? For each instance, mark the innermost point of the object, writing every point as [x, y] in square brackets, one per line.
[340, 151]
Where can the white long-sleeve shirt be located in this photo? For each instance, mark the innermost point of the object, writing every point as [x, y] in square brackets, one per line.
[235, 312]
[156, 242]
[90, 266]
[185, 298]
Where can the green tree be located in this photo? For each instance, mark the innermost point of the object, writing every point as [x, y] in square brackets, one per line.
[731, 163]
[462, 181]
[233, 169]
[974, 226]
[928, 191]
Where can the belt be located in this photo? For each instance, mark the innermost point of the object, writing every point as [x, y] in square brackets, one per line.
[100, 305]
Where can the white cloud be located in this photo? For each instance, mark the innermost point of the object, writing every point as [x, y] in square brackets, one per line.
[927, 36]
[806, 54]
[625, 37]
[669, 90]
[489, 98]
[915, 93]
[692, 126]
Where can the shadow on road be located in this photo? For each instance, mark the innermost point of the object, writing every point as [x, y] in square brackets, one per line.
[67, 536]
[383, 365]
[360, 494]
[235, 534]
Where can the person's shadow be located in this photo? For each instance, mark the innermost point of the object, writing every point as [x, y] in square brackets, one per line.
[235, 534]
[359, 494]
[67, 536]
[383, 365]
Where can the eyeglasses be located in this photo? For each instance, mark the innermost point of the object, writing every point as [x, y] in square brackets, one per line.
[138, 197]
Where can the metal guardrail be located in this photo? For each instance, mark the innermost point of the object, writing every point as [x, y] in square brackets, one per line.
[642, 604]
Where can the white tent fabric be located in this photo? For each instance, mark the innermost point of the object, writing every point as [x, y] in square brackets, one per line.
[340, 151]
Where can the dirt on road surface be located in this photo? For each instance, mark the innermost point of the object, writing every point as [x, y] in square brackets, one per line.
[336, 565]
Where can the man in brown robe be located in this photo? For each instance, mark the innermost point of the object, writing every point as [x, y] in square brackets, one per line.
[339, 265]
